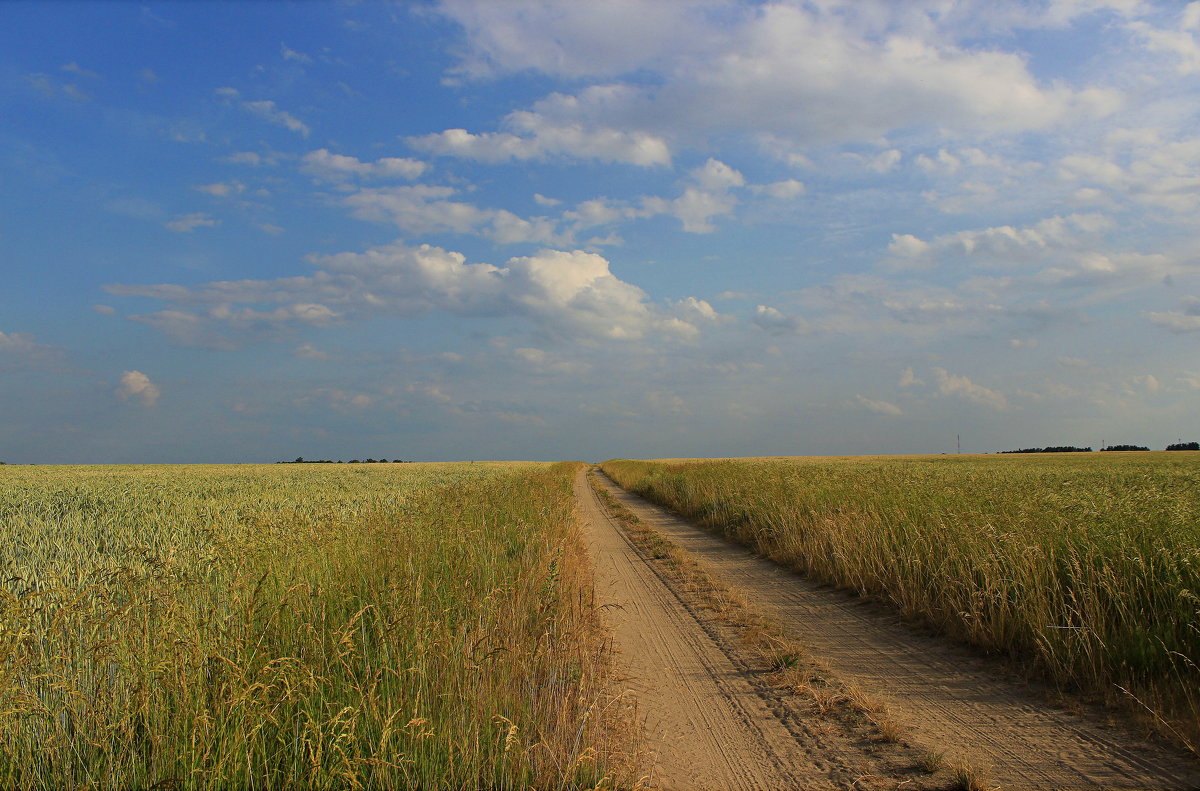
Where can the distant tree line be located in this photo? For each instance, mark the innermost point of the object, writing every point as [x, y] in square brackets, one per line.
[302, 460]
[1073, 449]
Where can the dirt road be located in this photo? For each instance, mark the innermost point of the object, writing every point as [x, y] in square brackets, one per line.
[714, 731]
[710, 726]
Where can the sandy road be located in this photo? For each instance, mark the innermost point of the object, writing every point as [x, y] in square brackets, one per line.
[713, 724]
[951, 699]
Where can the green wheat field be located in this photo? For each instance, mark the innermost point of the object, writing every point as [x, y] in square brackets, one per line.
[282, 626]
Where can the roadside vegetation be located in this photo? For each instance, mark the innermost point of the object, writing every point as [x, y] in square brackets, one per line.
[1084, 568]
[402, 626]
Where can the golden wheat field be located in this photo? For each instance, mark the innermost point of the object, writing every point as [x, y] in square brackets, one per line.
[281, 626]
[1083, 567]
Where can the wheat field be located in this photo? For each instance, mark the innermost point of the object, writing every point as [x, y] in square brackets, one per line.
[1083, 567]
[285, 626]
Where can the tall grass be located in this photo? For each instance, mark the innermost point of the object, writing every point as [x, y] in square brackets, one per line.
[1086, 567]
[415, 626]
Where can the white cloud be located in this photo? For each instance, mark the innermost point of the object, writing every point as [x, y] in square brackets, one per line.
[1143, 168]
[885, 161]
[777, 323]
[716, 176]
[695, 208]
[309, 352]
[571, 293]
[18, 343]
[802, 73]
[1179, 43]
[339, 167]
[186, 223]
[221, 189]
[906, 245]
[880, 407]
[267, 111]
[961, 387]
[136, 386]
[1137, 385]
[287, 53]
[536, 137]
[105, 310]
[783, 190]
[1004, 245]
[1185, 319]
[424, 208]
[908, 378]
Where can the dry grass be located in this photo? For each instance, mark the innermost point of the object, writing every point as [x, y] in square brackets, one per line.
[390, 626]
[1086, 567]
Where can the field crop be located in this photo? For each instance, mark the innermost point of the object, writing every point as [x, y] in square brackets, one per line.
[1084, 567]
[280, 626]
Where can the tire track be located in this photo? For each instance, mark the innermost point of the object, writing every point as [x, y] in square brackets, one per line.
[949, 697]
[707, 723]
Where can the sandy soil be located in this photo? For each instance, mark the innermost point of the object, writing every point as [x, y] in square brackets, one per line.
[713, 734]
[711, 722]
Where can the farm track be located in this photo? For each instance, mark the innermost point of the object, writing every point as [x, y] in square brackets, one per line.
[949, 698]
[711, 723]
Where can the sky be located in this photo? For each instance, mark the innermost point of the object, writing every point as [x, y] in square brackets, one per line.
[471, 229]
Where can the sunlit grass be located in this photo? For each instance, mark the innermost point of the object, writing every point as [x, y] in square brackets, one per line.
[1086, 567]
[399, 626]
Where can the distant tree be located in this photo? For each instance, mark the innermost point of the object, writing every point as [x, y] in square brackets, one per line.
[1125, 447]
[299, 460]
[1184, 446]
[353, 461]
[1051, 449]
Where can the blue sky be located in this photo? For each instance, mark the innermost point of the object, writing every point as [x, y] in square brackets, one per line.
[470, 229]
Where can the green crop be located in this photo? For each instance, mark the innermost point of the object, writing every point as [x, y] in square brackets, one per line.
[279, 626]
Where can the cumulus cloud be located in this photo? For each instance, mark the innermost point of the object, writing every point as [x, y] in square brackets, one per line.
[136, 387]
[1003, 245]
[267, 111]
[776, 322]
[536, 137]
[426, 208]
[949, 384]
[1185, 319]
[338, 167]
[1140, 166]
[20, 344]
[908, 378]
[783, 190]
[807, 74]
[572, 293]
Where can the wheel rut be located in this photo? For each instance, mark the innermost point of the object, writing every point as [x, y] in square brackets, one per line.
[950, 698]
[710, 722]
